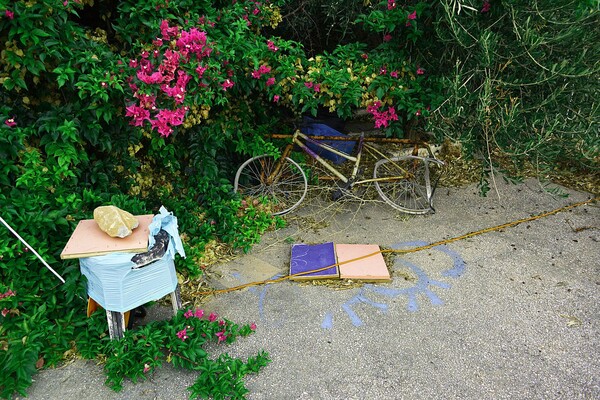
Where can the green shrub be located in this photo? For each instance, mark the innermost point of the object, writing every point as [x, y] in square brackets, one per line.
[521, 78]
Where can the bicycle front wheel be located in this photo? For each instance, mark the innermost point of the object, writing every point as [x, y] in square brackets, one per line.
[281, 181]
[404, 183]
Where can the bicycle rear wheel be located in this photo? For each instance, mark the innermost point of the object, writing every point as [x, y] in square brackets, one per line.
[285, 190]
[404, 183]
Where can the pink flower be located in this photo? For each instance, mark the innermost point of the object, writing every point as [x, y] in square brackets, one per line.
[272, 46]
[182, 334]
[264, 69]
[10, 122]
[391, 4]
[200, 70]
[275, 98]
[413, 15]
[167, 31]
[382, 118]
[364, 56]
[382, 71]
[486, 6]
[154, 78]
[256, 74]
[146, 101]
[221, 323]
[227, 84]
[309, 85]
[408, 23]
[420, 71]
[139, 114]
[270, 81]
[418, 113]
[133, 63]
[317, 87]
[212, 317]
[162, 127]
[167, 118]
[392, 116]
[221, 336]
[253, 326]
[374, 107]
[7, 294]
[146, 368]
[199, 313]
[5, 312]
[188, 314]
[394, 74]
[9, 14]
[255, 11]
[387, 37]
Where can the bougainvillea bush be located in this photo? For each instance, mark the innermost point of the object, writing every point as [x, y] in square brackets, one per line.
[141, 104]
[157, 102]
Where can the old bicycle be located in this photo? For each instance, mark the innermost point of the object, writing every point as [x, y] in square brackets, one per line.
[404, 182]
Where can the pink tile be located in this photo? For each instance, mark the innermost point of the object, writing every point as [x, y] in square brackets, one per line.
[372, 268]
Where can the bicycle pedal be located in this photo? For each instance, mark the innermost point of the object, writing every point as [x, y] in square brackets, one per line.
[337, 195]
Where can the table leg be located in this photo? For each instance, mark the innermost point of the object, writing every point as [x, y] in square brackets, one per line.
[116, 324]
[176, 300]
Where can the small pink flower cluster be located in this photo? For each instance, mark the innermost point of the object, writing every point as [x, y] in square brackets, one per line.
[182, 334]
[382, 118]
[391, 4]
[262, 70]
[198, 313]
[9, 293]
[314, 86]
[486, 6]
[168, 74]
[10, 122]
[411, 17]
[271, 46]
[222, 336]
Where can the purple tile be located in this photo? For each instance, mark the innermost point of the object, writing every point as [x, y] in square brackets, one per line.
[309, 257]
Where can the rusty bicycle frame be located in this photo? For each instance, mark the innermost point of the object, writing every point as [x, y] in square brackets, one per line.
[404, 178]
[355, 159]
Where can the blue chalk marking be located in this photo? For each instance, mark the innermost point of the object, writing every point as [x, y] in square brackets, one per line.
[422, 286]
[459, 264]
[356, 321]
[363, 299]
[360, 298]
[327, 321]
[389, 292]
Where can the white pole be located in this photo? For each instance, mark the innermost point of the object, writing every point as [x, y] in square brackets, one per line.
[31, 248]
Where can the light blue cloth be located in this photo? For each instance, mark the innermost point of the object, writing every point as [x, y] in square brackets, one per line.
[116, 286]
[167, 221]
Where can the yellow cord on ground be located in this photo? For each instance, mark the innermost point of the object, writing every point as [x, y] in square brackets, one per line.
[404, 251]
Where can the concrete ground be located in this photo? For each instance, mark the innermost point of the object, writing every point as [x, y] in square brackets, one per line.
[512, 314]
